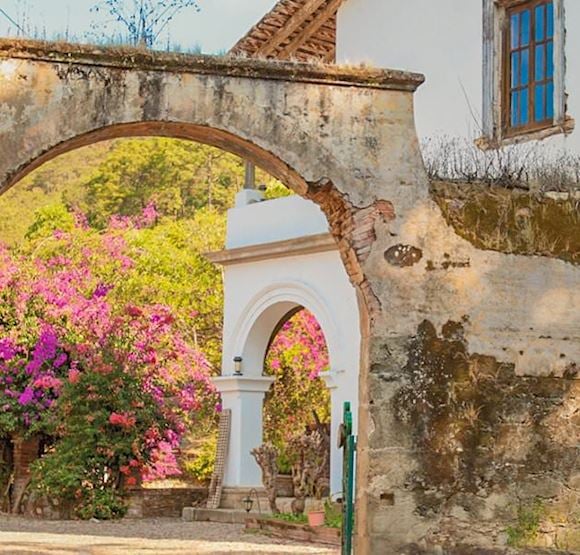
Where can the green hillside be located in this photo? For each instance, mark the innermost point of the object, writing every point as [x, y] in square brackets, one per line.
[59, 179]
[122, 177]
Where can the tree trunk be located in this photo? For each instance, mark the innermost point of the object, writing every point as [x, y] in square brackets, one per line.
[267, 456]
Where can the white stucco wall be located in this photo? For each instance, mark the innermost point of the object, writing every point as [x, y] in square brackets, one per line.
[275, 220]
[443, 40]
[258, 294]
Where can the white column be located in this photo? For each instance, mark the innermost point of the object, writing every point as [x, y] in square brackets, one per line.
[244, 396]
[332, 380]
[250, 177]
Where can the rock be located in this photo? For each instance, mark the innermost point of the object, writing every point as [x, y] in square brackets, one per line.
[187, 514]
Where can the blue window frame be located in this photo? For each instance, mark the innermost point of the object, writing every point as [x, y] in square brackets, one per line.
[529, 76]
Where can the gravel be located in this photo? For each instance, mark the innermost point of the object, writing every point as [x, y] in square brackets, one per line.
[159, 536]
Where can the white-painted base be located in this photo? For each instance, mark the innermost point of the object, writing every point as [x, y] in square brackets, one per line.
[245, 398]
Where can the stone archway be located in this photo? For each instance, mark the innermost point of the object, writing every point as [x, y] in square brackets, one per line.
[343, 137]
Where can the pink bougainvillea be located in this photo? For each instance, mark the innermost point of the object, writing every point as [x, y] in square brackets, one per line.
[297, 358]
[67, 343]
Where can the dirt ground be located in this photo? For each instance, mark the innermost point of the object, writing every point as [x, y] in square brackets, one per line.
[20, 536]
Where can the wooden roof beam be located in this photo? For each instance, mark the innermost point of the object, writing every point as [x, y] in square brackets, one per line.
[293, 25]
[320, 19]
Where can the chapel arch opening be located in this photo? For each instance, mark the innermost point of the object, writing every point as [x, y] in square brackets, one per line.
[344, 137]
[297, 407]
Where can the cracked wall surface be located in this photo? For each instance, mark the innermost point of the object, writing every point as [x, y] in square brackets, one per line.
[468, 378]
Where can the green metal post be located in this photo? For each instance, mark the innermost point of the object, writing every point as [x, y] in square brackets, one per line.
[348, 443]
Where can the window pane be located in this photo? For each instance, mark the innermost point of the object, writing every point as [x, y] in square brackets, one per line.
[540, 20]
[550, 101]
[540, 102]
[515, 69]
[515, 120]
[524, 106]
[525, 67]
[532, 63]
[515, 30]
[550, 23]
[540, 62]
[525, 39]
[550, 60]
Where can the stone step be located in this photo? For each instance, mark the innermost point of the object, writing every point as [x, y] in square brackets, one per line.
[224, 516]
[238, 516]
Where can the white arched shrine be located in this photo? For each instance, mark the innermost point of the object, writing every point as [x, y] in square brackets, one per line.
[280, 257]
[267, 309]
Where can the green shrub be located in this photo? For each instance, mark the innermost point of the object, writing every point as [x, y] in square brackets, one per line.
[105, 504]
[201, 467]
[284, 464]
[332, 514]
[527, 526]
[289, 517]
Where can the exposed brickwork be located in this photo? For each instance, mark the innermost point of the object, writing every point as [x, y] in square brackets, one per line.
[26, 451]
[354, 231]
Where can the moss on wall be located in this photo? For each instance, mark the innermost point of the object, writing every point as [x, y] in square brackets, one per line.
[512, 221]
[486, 439]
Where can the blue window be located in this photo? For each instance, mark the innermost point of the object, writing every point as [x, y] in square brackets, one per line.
[529, 91]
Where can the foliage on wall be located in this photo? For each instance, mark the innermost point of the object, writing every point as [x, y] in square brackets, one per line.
[514, 222]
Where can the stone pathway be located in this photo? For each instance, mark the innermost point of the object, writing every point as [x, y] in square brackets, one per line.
[162, 536]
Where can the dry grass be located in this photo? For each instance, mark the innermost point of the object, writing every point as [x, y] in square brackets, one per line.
[532, 166]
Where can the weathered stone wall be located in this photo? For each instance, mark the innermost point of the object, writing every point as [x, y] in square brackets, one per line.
[490, 444]
[473, 391]
[169, 502]
[468, 384]
[472, 400]
[141, 503]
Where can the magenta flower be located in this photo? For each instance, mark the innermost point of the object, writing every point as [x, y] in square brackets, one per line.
[26, 397]
[44, 350]
[7, 349]
[149, 216]
[101, 290]
[60, 360]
